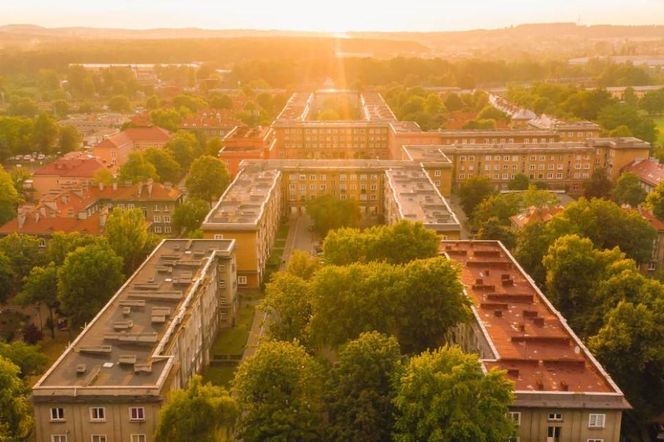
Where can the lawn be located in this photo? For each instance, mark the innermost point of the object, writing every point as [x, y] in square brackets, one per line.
[221, 376]
[233, 340]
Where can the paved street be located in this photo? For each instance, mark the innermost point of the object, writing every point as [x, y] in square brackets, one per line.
[299, 238]
[461, 216]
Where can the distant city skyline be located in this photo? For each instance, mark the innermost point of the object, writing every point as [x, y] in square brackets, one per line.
[338, 16]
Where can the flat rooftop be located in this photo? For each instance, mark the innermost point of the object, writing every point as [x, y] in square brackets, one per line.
[450, 133]
[426, 154]
[243, 203]
[124, 346]
[418, 199]
[529, 337]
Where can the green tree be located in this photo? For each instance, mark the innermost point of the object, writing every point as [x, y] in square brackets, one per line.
[201, 412]
[15, 411]
[87, 280]
[574, 269]
[598, 186]
[430, 302]
[183, 146]
[23, 253]
[291, 408]
[9, 197]
[128, 235]
[302, 264]
[28, 358]
[628, 190]
[23, 107]
[119, 103]
[152, 102]
[519, 182]
[288, 301]
[494, 229]
[40, 287]
[207, 178]
[6, 277]
[473, 191]
[61, 244]
[69, 140]
[328, 213]
[655, 200]
[45, 133]
[169, 119]
[624, 114]
[167, 169]
[214, 145]
[137, 169]
[360, 389]
[444, 395]
[189, 215]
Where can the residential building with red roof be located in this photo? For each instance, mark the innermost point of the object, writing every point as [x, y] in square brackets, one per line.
[72, 170]
[85, 209]
[114, 150]
[562, 393]
[245, 143]
[656, 261]
[650, 171]
[534, 214]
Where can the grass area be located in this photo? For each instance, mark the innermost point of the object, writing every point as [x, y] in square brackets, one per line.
[52, 348]
[659, 122]
[221, 376]
[233, 340]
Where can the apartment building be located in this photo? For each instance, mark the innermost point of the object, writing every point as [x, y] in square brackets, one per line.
[265, 190]
[561, 165]
[150, 338]
[650, 172]
[114, 151]
[246, 143]
[249, 212]
[562, 393]
[300, 135]
[72, 170]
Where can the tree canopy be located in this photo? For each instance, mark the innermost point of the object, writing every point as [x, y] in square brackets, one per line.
[127, 234]
[472, 191]
[208, 178]
[628, 190]
[329, 213]
[444, 395]
[15, 413]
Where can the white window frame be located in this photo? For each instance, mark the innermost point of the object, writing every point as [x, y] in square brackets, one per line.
[96, 410]
[241, 280]
[61, 414]
[99, 438]
[595, 440]
[59, 438]
[516, 417]
[596, 420]
[138, 438]
[139, 410]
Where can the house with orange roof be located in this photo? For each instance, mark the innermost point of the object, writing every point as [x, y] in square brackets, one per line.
[650, 171]
[72, 170]
[534, 214]
[246, 143]
[114, 151]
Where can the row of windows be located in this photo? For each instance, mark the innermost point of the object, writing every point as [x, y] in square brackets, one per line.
[98, 414]
[165, 229]
[498, 140]
[550, 176]
[337, 131]
[342, 186]
[595, 420]
[342, 177]
[98, 438]
[292, 196]
[578, 157]
[159, 218]
[362, 144]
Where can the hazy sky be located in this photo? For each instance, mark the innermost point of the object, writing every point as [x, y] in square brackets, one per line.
[328, 15]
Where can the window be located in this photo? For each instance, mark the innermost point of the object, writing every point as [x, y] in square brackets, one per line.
[157, 229]
[97, 414]
[595, 440]
[553, 434]
[218, 236]
[157, 218]
[138, 438]
[516, 417]
[596, 420]
[57, 414]
[167, 218]
[555, 417]
[42, 243]
[98, 438]
[136, 414]
[242, 280]
[58, 438]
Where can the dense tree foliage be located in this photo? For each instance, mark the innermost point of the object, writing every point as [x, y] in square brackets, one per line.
[598, 186]
[208, 178]
[15, 411]
[655, 201]
[397, 243]
[9, 197]
[28, 358]
[628, 190]
[292, 407]
[302, 264]
[444, 395]
[137, 169]
[40, 287]
[200, 412]
[167, 169]
[360, 389]
[23, 253]
[127, 234]
[329, 213]
[473, 191]
[188, 216]
[87, 279]
[288, 300]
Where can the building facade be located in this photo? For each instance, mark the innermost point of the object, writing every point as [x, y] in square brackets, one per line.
[150, 338]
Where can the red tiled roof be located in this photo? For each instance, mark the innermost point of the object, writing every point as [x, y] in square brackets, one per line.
[71, 167]
[532, 214]
[47, 225]
[136, 135]
[654, 222]
[650, 171]
[131, 193]
[527, 335]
